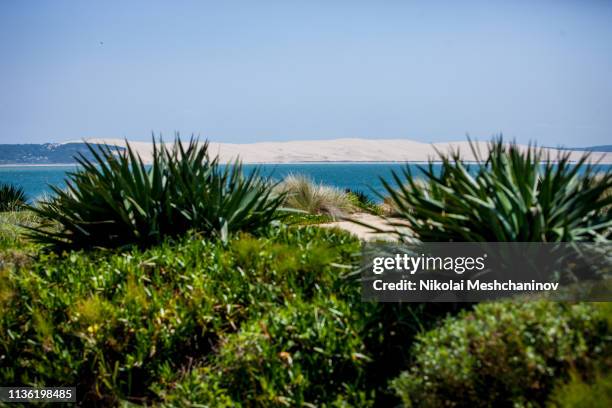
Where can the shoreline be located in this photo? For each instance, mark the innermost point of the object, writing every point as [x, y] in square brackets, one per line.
[375, 162]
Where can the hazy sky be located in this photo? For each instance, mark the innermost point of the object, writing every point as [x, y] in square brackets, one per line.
[246, 71]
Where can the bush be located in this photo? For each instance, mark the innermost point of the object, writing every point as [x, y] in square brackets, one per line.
[12, 198]
[117, 324]
[504, 354]
[13, 225]
[306, 353]
[116, 200]
[304, 194]
[254, 321]
[512, 195]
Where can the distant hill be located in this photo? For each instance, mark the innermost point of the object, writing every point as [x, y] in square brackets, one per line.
[47, 153]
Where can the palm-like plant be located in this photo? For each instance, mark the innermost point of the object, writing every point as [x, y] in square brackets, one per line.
[11, 197]
[116, 200]
[511, 195]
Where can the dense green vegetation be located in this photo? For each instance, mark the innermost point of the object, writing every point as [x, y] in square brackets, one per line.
[505, 354]
[258, 321]
[188, 285]
[510, 195]
[593, 392]
[115, 200]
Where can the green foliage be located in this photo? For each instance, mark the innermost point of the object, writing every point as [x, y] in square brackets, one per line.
[307, 353]
[504, 354]
[304, 194]
[13, 224]
[256, 321]
[361, 200]
[512, 195]
[307, 219]
[578, 393]
[12, 197]
[117, 323]
[115, 200]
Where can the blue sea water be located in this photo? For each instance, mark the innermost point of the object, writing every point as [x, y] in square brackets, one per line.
[356, 176]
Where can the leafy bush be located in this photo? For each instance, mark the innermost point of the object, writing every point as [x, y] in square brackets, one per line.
[115, 324]
[307, 353]
[13, 225]
[116, 200]
[304, 194]
[188, 321]
[504, 354]
[11, 197]
[512, 195]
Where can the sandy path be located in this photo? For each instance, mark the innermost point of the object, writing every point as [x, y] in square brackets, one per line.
[363, 232]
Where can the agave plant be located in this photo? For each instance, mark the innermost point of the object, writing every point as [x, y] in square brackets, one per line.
[11, 197]
[116, 200]
[513, 194]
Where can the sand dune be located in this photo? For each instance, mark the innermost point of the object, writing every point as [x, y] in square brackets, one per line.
[336, 150]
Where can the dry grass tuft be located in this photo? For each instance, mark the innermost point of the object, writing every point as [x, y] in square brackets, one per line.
[306, 195]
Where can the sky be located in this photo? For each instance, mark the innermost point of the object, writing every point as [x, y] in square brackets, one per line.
[249, 71]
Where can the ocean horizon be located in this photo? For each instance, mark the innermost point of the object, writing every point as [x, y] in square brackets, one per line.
[37, 180]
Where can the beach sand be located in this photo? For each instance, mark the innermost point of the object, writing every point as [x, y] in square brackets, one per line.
[338, 150]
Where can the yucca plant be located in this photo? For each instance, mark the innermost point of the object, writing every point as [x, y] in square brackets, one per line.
[11, 197]
[116, 200]
[512, 194]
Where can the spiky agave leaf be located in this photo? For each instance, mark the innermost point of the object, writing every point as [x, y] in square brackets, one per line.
[12, 197]
[115, 200]
[511, 195]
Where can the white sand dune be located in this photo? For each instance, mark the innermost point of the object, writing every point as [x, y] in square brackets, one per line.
[337, 150]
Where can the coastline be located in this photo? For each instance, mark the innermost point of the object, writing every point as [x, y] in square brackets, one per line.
[287, 163]
[39, 165]
[346, 151]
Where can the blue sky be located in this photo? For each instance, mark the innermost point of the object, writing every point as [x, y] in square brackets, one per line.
[247, 71]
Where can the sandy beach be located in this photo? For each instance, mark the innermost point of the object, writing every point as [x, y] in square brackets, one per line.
[339, 150]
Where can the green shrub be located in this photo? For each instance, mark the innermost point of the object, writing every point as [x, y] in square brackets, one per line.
[115, 324]
[511, 195]
[13, 225]
[186, 322]
[303, 354]
[116, 200]
[12, 198]
[304, 194]
[578, 393]
[504, 354]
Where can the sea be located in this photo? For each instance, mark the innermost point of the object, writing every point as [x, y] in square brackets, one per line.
[365, 177]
